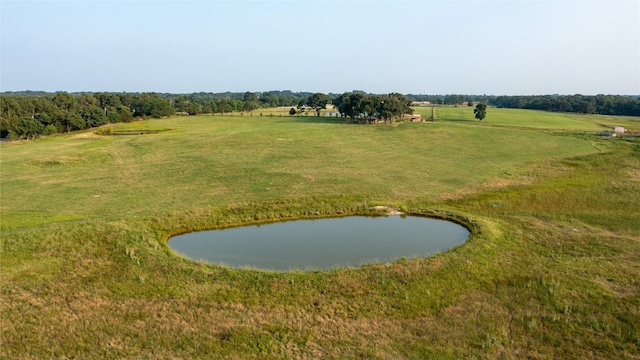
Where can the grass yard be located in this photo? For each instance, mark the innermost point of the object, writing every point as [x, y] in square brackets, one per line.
[551, 268]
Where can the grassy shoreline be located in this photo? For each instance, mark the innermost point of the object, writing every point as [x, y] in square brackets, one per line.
[551, 268]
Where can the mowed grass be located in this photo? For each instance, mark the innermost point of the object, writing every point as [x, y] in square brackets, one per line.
[533, 119]
[210, 160]
[551, 268]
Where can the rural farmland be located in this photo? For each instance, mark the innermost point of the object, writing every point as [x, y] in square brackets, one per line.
[550, 269]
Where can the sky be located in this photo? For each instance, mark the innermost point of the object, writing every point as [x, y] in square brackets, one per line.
[411, 47]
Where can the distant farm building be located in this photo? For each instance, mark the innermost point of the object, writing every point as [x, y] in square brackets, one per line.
[332, 114]
[368, 120]
[619, 130]
[412, 117]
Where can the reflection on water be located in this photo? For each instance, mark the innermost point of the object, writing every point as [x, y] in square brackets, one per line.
[321, 244]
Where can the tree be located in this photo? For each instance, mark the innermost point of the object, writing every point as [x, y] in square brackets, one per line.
[50, 129]
[349, 104]
[125, 114]
[480, 111]
[223, 106]
[453, 99]
[181, 104]
[194, 108]
[112, 115]
[286, 100]
[391, 105]
[9, 108]
[65, 101]
[159, 108]
[269, 100]
[251, 105]
[29, 128]
[249, 96]
[236, 105]
[70, 120]
[292, 111]
[151, 104]
[318, 101]
[8, 126]
[93, 116]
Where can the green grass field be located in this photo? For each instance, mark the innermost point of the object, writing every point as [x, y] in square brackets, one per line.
[551, 268]
[532, 119]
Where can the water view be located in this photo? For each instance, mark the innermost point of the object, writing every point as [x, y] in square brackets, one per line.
[321, 244]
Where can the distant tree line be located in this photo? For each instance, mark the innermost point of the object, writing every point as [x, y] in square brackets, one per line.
[598, 104]
[585, 104]
[29, 114]
[210, 103]
[449, 99]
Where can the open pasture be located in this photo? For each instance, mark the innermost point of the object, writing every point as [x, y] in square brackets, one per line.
[532, 119]
[551, 268]
[210, 160]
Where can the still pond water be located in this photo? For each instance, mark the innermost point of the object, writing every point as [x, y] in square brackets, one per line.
[321, 244]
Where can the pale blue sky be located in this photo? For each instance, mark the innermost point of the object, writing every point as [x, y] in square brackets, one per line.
[434, 47]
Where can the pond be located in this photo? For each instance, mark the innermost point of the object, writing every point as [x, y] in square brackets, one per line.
[321, 244]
